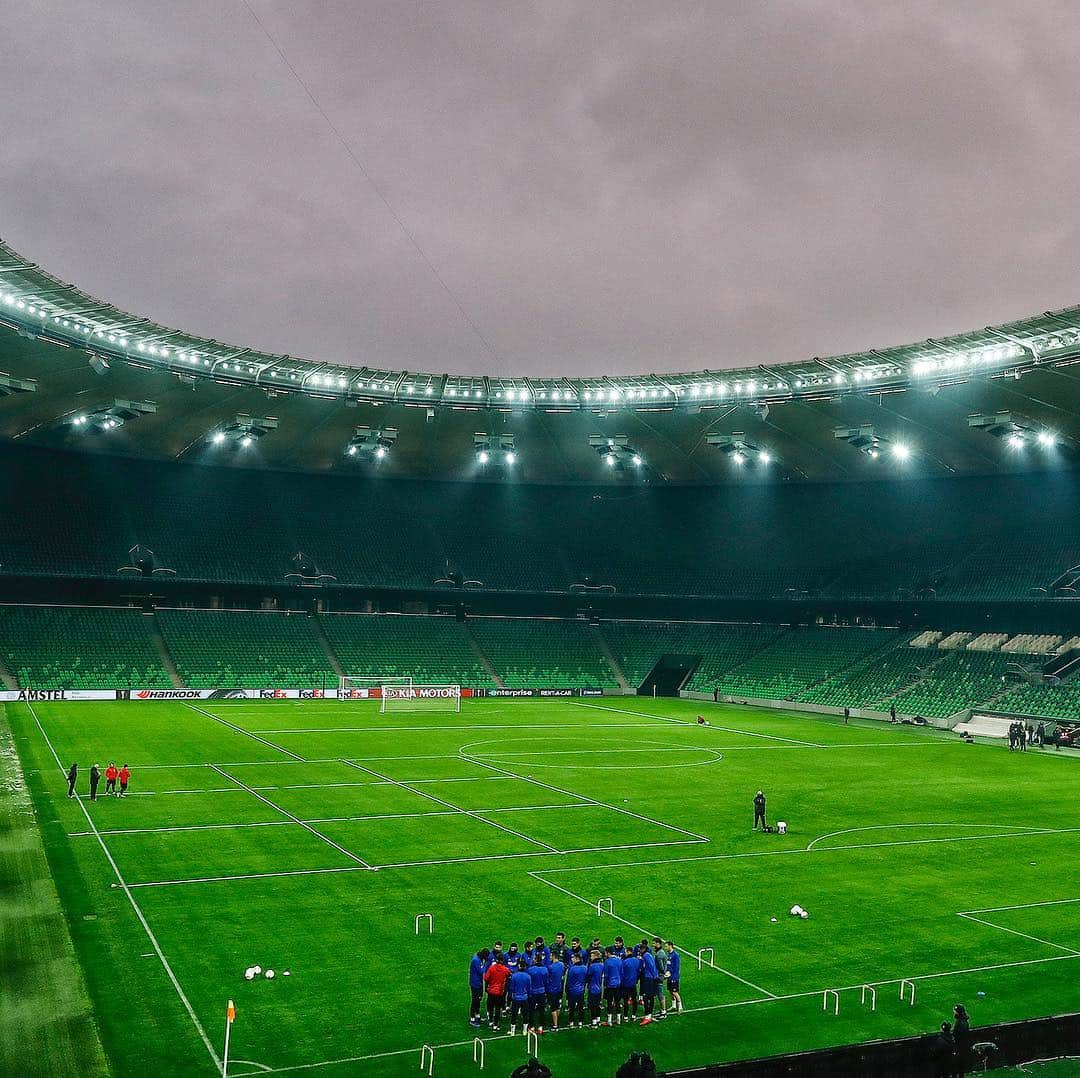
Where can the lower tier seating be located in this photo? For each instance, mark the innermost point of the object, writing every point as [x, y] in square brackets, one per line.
[245, 649]
[60, 647]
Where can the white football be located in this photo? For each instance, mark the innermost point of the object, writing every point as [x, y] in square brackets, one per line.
[286, 974]
[256, 969]
[269, 974]
[804, 915]
[249, 974]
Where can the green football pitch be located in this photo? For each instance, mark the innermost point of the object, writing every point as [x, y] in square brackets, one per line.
[309, 837]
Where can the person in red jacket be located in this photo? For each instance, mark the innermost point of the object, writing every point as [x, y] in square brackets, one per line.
[124, 776]
[495, 979]
[110, 779]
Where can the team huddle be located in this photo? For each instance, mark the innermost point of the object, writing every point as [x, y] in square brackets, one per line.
[616, 981]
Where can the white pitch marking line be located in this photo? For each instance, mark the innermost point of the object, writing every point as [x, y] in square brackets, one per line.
[712, 726]
[819, 853]
[638, 928]
[482, 726]
[413, 864]
[1025, 906]
[898, 826]
[134, 905]
[240, 730]
[592, 800]
[1014, 932]
[321, 820]
[448, 804]
[307, 827]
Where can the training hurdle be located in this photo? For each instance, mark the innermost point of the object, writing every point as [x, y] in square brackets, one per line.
[532, 1043]
[427, 1055]
[825, 1000]
[601, 908]
[702, 960]
[904, 985]
[478, 1051]
[430, 923]
[873, 996]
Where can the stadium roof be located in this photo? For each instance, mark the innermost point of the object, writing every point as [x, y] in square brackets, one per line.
[66, 356]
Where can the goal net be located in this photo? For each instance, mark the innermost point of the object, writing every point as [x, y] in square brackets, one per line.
[368, 686]
[421, 698]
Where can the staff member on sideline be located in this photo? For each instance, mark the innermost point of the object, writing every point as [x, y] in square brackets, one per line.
[73, 776]
[95, 778]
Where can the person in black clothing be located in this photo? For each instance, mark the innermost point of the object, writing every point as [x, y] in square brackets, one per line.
[73, 775]
[962, 1033]
[847, 715]
[716, 694]
[639, 1065]
[945, 1052]
[95, 778]
[892, 713]
[532, 1069]
[759, 810]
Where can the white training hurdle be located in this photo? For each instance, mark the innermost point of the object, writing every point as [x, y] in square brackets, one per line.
[825, 1000]
[702, 960]
[427, 1055]
[601, 909]
[430, 922]
[478, 1051]
[905, 985]
[532, 1043]
[873, 996]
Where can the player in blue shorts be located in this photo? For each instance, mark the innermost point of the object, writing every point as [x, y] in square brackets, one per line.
[477, 968]
[520, 982]
[538, 974]
[596, 985]
[649, 975]
[631, 973]
[556, 971]
[613, 987]
[577, 976]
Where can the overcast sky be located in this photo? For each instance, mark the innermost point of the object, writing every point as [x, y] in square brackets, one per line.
[603, 187]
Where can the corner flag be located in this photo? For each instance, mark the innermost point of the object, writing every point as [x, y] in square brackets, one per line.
[230, 1017]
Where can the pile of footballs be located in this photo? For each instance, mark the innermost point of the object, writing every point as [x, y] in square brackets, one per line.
[254, 971]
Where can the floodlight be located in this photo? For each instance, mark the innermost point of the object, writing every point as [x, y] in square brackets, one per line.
[482, 457]
[1046, 438]
[1016, 441]
[380, 452]
[609, 459]
[351, 450]
[219, 437]
[764, 457]
[900, 451]
[510, 457]
[246, 441]
[636, 460]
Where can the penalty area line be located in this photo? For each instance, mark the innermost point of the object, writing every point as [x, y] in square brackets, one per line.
[638, 928]
[247, 733]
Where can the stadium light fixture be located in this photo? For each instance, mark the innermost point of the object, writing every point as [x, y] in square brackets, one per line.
[901, 451]
[483, 457]
[371, 444]
[1046, 439]
[494, 449]
[764, 457]
[1016, 440]
[510, 457]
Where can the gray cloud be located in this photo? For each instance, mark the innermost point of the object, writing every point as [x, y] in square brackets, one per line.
[604, 187]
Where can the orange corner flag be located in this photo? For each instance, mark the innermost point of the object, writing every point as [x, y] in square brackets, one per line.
[230, 1014]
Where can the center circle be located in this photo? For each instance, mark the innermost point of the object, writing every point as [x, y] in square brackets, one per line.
[594, 753]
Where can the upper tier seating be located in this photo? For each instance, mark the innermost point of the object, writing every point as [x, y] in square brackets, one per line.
[246, 526]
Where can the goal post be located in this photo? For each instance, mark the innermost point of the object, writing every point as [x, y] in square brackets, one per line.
[421, 698]
[368, 686]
